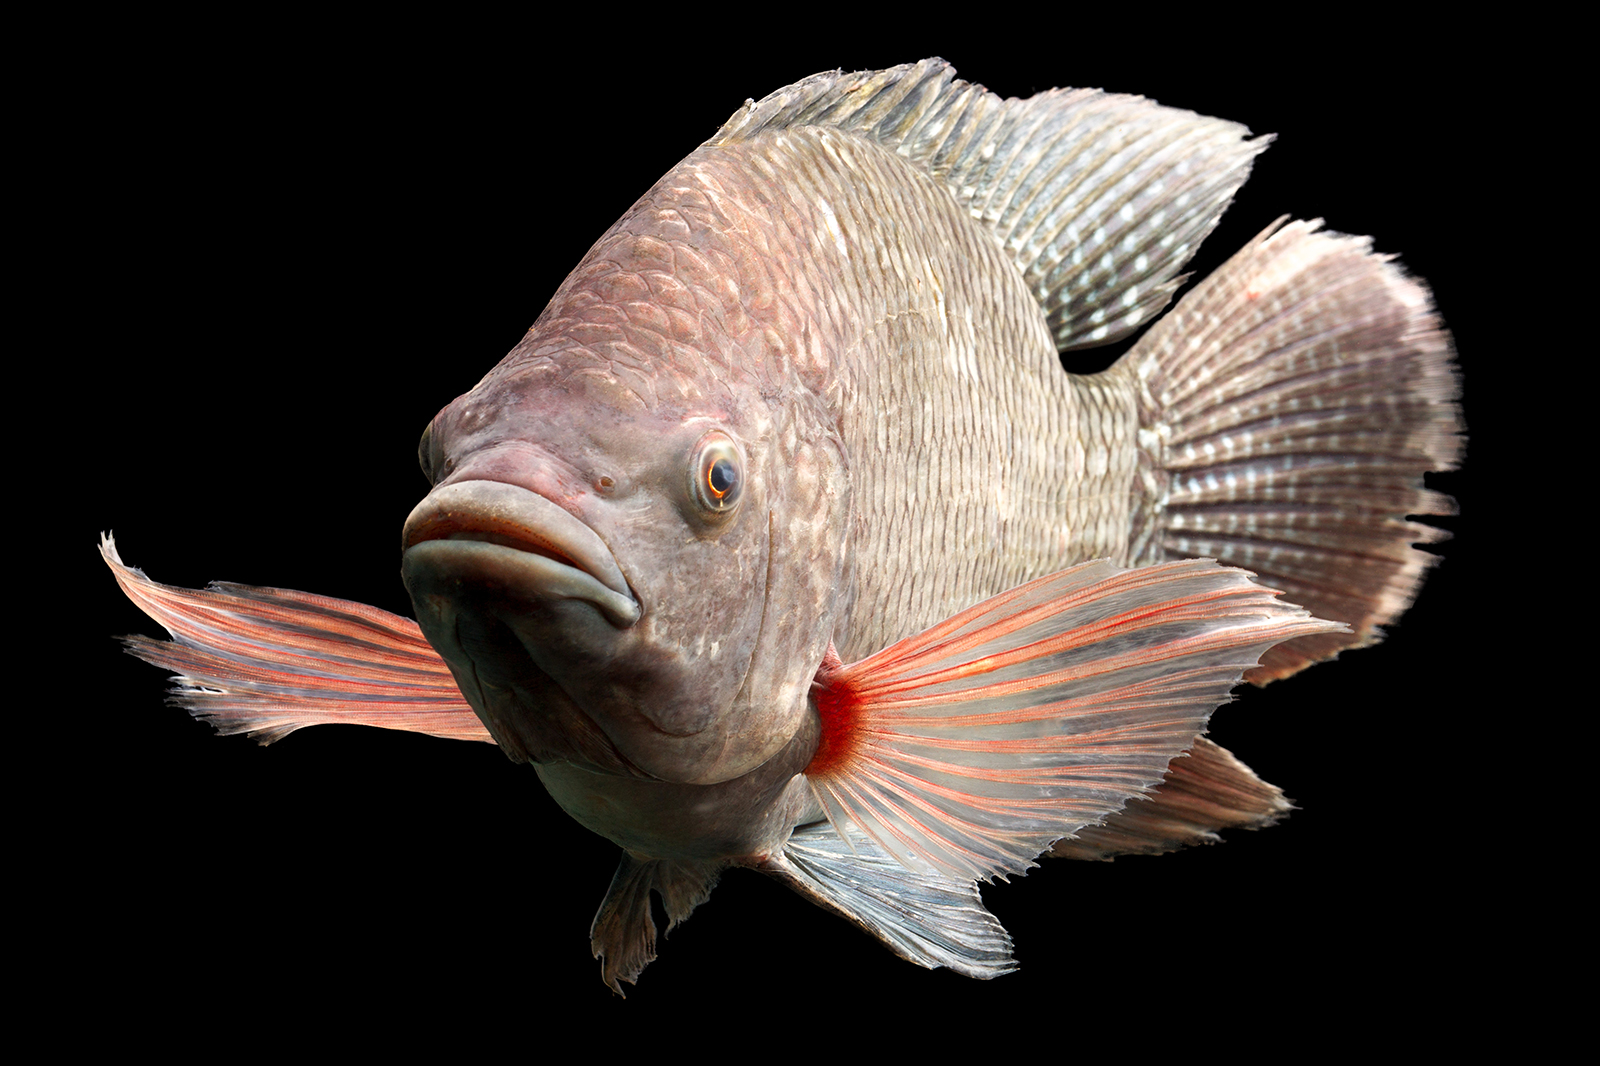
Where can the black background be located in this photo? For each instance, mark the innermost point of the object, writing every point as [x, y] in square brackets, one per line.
[284, 247]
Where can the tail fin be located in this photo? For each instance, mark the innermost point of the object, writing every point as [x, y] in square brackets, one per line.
[1289, 407]
[268, 661]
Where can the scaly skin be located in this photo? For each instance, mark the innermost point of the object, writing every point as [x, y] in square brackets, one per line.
[909, 419]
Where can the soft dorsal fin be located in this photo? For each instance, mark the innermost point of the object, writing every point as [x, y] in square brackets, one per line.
[970, 748]
[1099, 198]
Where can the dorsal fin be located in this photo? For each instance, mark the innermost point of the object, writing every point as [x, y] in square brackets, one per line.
[1100, 199]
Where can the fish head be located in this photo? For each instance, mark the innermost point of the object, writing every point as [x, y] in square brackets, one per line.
[637, 585]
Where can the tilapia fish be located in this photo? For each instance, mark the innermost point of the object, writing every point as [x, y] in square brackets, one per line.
[782, 540]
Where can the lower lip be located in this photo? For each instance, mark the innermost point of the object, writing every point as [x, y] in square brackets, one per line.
[447, 565]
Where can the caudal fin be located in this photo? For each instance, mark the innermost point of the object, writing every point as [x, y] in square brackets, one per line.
[267, 661]
[1289, 406]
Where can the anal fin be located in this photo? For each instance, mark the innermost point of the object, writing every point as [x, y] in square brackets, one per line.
[1202, 793]
[925, 918]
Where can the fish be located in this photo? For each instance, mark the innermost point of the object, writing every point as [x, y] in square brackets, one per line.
[783, 540]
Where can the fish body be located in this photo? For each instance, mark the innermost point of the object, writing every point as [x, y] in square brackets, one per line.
[764, 545]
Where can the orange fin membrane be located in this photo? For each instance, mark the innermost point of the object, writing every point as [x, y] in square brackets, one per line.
[925, 918]
[267, 661]
[1290, 405]
[623, 936]
[969, 749]
[1206, 791]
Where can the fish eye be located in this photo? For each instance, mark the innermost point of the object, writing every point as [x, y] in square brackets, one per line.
[718, 475]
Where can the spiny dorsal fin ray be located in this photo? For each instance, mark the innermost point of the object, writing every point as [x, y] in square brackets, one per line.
[972, 747]
[267, 661]
[1099, 198]
[1289, 407]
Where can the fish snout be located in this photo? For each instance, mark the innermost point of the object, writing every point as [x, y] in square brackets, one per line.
[535, 546]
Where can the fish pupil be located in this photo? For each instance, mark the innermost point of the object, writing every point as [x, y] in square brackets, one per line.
[715, 477]
[723, 478]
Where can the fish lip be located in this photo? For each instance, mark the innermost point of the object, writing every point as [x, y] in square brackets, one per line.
[555, 551]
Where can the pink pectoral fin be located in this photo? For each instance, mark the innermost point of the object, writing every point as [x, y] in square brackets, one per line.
[972, 747]
[269, 661]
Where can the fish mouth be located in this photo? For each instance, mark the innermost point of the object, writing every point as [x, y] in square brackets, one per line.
[521, 538]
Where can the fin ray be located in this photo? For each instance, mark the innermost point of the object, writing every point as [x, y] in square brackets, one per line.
[972, 747]
[1099, 198]
[266, 661]
[1289, 407]
[925, 918]
[1206, 791]
[623, 934]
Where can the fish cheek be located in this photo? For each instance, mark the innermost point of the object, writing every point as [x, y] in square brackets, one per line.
[805, 531]
[735, 611]
[673, 700]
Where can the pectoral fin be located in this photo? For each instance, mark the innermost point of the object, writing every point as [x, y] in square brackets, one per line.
[267, 661]
[969, 749]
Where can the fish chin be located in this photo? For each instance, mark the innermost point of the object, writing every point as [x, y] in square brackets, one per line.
[550, 646]
[501, 619]
[513, 591]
